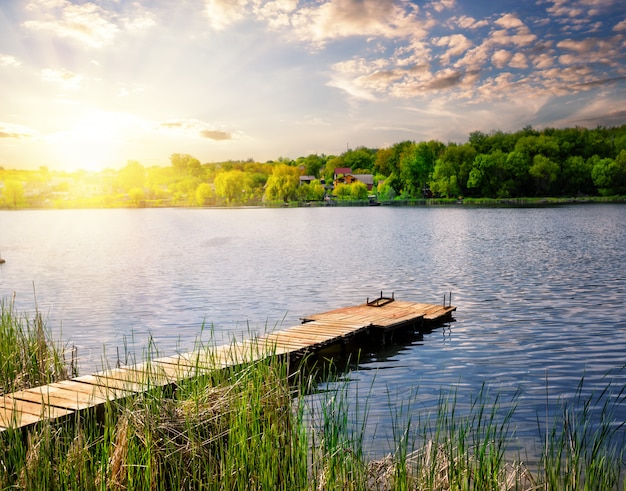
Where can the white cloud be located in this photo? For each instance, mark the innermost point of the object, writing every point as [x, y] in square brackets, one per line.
[519, 60]
[223, 13]
[140, 23]
[592, 50]
[523, 37]
[475, 58]
[194, 128]
[11, 131]
[466, 22]
[544, 60]
[87, 23]
[277, 13]
[441, 5]
[457, 45]
[336, 19]
[8, 60]
[620, 26]
[509, 21]
[501, 58]
[64, 78]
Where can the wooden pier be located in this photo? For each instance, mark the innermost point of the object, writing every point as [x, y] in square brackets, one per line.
[378, 319]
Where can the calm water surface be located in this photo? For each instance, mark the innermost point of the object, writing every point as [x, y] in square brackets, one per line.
[540, 292]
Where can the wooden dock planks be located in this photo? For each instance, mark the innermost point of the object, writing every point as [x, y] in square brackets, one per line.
[28, 407]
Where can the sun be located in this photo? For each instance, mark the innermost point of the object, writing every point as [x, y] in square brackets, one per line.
[93, 141]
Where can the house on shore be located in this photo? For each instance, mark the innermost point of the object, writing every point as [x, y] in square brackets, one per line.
[344, 175]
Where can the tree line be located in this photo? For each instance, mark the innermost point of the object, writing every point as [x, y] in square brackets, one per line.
[567, 162]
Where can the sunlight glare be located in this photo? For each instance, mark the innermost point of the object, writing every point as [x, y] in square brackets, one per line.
[93, 142]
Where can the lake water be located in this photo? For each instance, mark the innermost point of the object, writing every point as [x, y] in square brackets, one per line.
[540, 292]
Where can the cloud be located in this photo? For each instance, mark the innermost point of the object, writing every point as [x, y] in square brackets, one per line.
[17, 136]
[216, 135]
[8, 60]
[543, 60]
[444, 80]
[519, 60]
[277, 13]
[441, 5]
[194, 128]
[607, 119]
[509, 21]
[337, 19]
[223, 13]
[13, 132]
[600, 82]
[87, 23]
[467, 22]
[620, 26]
[65, 78]
[592, 50]
[457, 45]
[501, 58]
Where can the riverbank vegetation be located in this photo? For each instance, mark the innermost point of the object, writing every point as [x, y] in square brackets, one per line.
[28, 355]
[569, 162]
[271, 426]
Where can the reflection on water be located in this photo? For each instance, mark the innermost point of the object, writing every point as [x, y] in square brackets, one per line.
[540, 292]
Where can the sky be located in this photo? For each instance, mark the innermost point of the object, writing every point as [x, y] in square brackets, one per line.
[95, 84]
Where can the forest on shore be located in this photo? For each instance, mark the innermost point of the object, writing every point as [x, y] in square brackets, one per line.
[529, 163]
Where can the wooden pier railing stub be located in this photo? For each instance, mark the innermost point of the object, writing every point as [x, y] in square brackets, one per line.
[62, 399]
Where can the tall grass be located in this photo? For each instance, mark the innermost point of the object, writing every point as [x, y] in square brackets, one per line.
[270, 425]
[584, 443]
[28, 355]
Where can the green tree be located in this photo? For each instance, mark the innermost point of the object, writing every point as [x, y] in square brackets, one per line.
[518, 180]
[329, 169]
[387, 160]
[132, 175]
[311, 192]
[283, 183]
[13, 194]
[342, 191]
[358, 190]
[545, 172]
[416, 165]
[444, 181]
[360, 158]
[481, 177]
[313, 164]
[204, 193]
[609, 175]
[461, 158]
[185, 164]
[137, 196]
[538, 145]
[385, 190]
[575, 178]
[229, 185]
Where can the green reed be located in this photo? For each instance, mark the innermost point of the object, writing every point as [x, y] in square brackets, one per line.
[28, 355]
[269, 424]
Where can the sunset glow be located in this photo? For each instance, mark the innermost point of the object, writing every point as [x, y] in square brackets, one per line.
[95, 84]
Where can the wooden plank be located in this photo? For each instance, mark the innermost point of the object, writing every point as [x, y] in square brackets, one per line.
[58, 397]
[141, 374]
[108, 383]
[16, 413]
[106, 393]
[10, 418]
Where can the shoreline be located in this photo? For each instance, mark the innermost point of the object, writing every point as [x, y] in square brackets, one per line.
[435, 202]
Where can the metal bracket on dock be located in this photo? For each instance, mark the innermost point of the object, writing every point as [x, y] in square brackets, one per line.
[380, 301]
